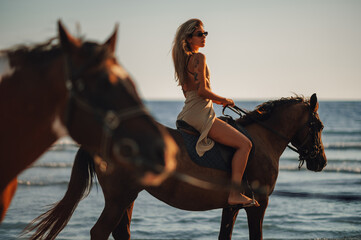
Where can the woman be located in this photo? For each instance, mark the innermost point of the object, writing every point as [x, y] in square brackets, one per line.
[192, 74]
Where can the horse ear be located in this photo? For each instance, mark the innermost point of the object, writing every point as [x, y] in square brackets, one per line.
[314, 103]
[67, 41]
[111, 42]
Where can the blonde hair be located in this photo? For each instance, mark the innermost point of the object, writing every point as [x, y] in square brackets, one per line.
[181, 48]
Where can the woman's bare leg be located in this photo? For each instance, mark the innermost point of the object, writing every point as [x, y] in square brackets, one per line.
[225, 134]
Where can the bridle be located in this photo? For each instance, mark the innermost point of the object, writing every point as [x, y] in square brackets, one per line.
[110, 120]
[311, 153]
[305, 153]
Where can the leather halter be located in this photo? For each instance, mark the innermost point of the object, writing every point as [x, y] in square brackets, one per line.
[110, 120]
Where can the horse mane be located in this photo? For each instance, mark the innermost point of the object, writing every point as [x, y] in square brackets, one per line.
[263, 112]
[36, 53]
[45, 52]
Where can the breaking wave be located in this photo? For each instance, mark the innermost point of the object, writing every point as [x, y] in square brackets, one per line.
[331, 169]
[343, 146]
[53, 165]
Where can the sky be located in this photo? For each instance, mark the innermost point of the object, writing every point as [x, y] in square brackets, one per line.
[256, 49]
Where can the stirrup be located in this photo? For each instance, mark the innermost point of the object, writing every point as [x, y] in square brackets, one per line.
[252, 204]
[240, 206]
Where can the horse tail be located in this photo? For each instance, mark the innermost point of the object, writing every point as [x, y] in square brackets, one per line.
[56, 218]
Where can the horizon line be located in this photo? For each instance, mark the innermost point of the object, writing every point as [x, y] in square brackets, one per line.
[256, 99]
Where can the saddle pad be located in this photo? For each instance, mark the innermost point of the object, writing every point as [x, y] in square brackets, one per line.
[220, 156]
[212, 158]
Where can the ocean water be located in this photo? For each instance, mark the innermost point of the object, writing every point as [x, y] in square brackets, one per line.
[305, 205]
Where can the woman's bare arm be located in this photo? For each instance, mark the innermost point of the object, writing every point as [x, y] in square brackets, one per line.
[200, 76]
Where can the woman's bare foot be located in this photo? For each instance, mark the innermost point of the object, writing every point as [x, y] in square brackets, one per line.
[236, 198]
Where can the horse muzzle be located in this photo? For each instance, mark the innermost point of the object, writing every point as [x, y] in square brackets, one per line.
[154, 160]
[317, 164]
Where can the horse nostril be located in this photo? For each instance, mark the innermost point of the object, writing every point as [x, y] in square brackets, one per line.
[127, 148]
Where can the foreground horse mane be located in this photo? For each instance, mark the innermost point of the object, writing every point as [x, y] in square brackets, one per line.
[44, 52]
[35, 53]
[264, 111]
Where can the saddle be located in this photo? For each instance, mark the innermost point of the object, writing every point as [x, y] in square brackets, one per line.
[220, 156]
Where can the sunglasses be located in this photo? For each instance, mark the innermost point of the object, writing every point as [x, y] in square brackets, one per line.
[200, 34]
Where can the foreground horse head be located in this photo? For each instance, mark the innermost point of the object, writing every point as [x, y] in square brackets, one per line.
[102, 94]
[77, 88]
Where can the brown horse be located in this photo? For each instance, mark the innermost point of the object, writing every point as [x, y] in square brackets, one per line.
[197, 188]
[75, 88]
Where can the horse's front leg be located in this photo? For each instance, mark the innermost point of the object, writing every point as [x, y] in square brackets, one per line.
[255, 217]
[117, 201]
[108, 220]
[229, 216]
[122, 230]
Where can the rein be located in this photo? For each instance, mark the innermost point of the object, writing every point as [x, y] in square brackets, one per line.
[304, 154]
[239, 111]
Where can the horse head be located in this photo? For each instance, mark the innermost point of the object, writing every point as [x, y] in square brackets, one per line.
[103, 98]
[308, 139]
